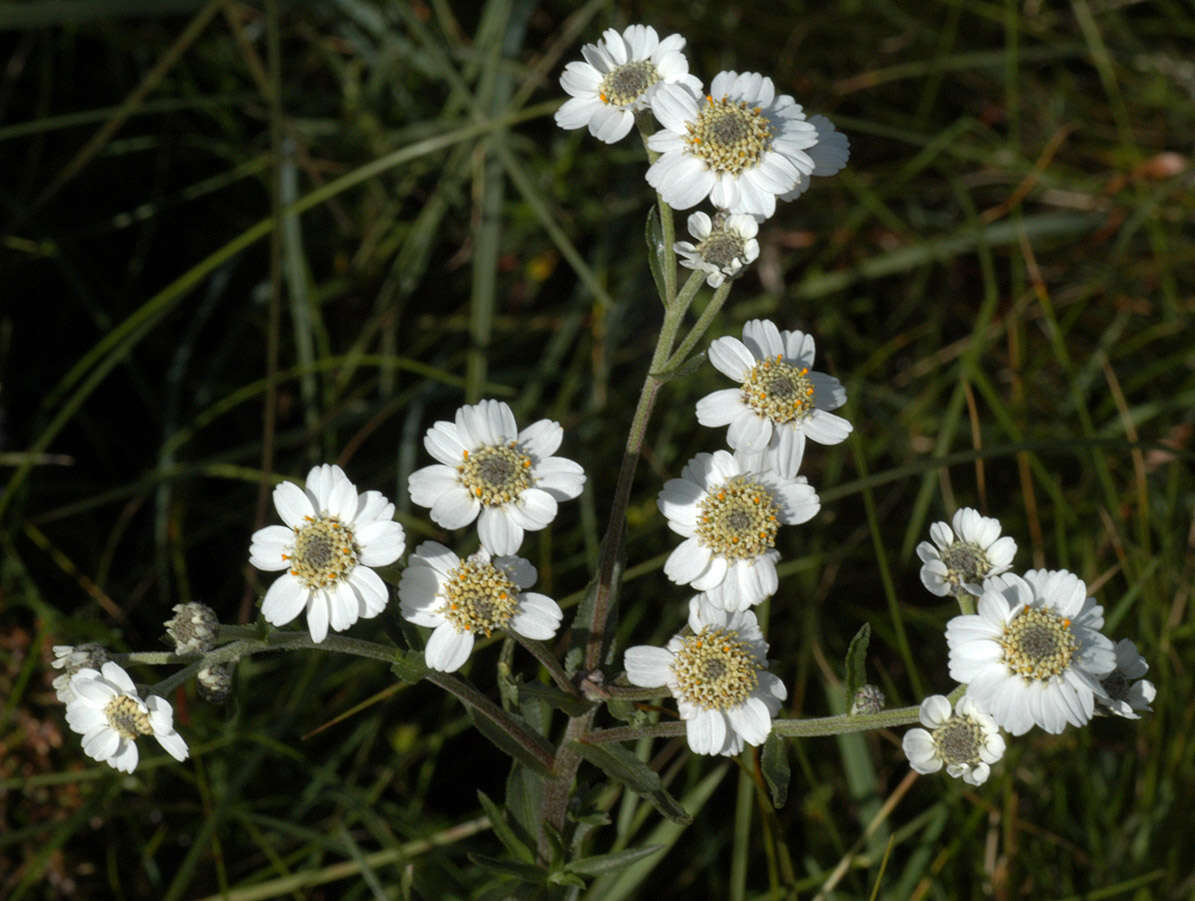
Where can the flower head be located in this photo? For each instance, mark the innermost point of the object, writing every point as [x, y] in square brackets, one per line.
[719, 677]
[622, 73]
[724, 246]
[479, 595]
[1033, 654]
[72, 658]
[779, 402]
[331, 539]
[741, 145]
[489, 468]
[967, 741]
[729, 516]
[1126, 686]
[966, 556]
[193, 628]
[107, 711]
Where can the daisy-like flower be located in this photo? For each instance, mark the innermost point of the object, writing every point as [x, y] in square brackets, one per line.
[488, 467]
[724, 246]
[1127, 688]
[963, 557]
[741, 145]
[719, 677]
[779, 402]
[331, 539]
[829, 155]
[622, 73]
[462, 599]
[1033, 654]
[72, 658]
[967, 742]
[109, 713]
[729, 516]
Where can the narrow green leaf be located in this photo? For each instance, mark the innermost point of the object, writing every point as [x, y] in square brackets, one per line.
[687, 368]
[856, 662]
[504, 741]
[524, 871]
[623, 766]
[773, 762]
[525, 799]
[604, 863]
[503, 831]
[655, 251]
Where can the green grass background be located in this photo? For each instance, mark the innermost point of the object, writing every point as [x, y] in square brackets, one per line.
[373, 196]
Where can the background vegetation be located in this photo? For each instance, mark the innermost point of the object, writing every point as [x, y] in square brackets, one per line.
[372, 198]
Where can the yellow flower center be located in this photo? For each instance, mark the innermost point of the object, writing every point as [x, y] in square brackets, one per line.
[325, 552]
[778, 391]
[479, 598]
[959, 741]
[1038, 644]
[715, 669]
[496, 474]
[625, 84]
[730, 136]
[738, 520]
[127, 718]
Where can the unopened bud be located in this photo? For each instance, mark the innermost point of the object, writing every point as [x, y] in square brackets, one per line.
[868, 699]
[215, 682]
[193, 629]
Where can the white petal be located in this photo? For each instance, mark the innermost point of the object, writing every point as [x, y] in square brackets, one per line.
[293, 504]
[706, 732]
[447, 649]
[371, 590]
[498, 531]
[318, 615]
[381, 543]
[284, 600]
[539, 616]
[647, 666]
[455, 508]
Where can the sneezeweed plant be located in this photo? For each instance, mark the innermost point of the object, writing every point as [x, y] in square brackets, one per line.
[1027, 649]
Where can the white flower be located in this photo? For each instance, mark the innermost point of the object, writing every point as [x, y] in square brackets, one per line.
[829, 155]
[967, 742]
[966, 556]
[71, 659]
[1034, 653]
[741, 146]
[729, 516]
[331, 539]
[478, 596]
[488, 467]
[724, 246]
[622, 73]
[718, 676]
[779, 402]
[107, 711]
[1128, 690]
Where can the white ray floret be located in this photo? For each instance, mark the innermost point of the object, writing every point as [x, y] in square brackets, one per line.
[725, 245]
[490, 471]
[477, 596]
[621, 74]
[1033, 654]
[332, 538]
[966, 740]
[1129, 692]
[72, 658]
[741, 145]
[729, 516]
[830, 155]
[780, 401]
[962, 557]
[719, 677]
[107, 711]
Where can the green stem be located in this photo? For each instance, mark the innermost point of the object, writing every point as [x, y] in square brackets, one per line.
[697, 332]
[541, 652]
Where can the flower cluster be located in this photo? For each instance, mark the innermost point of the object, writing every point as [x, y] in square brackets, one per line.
[729, 506]
[741, 145]
[1033, 653]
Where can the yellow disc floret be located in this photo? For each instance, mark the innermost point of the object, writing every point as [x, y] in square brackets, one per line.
[1038, 644]
[715, 669]
[738, 520]
[778, 391]
[730, 136]
[325, 551]
[496, 474]
[479, 598]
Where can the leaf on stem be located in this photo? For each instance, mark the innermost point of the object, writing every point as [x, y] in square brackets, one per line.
[621, 765]
[409, 666]
[654, 233]
[773, 763]
[616, 860]
[503, 830]
[856, 663]
[505, 740]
